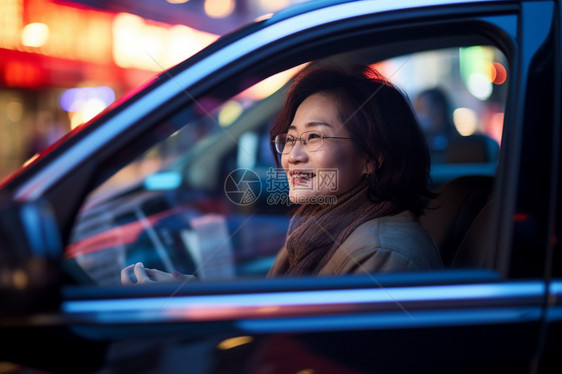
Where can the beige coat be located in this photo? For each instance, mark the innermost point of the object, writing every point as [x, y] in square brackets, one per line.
[382, 245]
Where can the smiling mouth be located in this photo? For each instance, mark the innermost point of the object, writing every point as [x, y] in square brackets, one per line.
[301, 176]
[309, 173]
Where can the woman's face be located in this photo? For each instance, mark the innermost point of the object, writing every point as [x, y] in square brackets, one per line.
[331, 170]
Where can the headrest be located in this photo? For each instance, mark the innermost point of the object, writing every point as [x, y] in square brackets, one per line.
[475, 148]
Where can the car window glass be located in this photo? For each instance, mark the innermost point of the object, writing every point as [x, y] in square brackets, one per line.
[209, 199]
[459, 97]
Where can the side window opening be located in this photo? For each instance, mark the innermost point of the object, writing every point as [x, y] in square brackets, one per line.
[180, 206]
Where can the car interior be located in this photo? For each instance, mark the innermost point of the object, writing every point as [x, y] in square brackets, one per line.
[151, 210]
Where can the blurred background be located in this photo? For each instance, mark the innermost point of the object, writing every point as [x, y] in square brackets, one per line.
[62, 62]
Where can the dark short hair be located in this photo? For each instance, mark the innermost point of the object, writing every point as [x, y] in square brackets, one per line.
[381, 123]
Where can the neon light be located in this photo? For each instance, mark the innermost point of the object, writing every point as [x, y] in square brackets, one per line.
[75, 34]
[151, 46]
[95, 36]
[11, 24]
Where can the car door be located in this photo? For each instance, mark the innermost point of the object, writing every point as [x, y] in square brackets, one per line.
[488, 318]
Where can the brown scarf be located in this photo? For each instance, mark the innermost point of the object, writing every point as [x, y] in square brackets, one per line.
[316, 231]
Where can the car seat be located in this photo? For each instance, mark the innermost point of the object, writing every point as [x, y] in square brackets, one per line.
[454, 212]
[476, 148]
[475, 249]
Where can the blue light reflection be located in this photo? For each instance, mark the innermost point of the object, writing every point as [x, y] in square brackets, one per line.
[322, 297]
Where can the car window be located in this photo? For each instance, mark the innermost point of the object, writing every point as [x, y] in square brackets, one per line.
[459, 96]
[209, 199]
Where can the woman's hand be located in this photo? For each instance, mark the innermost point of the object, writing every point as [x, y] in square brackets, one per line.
[138, 274]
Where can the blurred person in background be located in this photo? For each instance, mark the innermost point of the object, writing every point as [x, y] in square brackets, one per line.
[434, 113]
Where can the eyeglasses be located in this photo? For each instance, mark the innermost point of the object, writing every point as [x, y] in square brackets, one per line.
[311, 140]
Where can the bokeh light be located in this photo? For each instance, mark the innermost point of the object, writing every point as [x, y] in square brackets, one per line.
[234, 342]
[230, 113]
[479, 85]
[219, 8]
[500, 73]
[14, 110]
[466, 121]
[35, 35]
[273, 5]
[270, 85]
[84, 103]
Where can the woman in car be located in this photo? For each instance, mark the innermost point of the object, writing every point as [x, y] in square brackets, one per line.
[358, 166]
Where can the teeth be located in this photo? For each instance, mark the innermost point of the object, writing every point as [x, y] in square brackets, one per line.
[301, 175]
